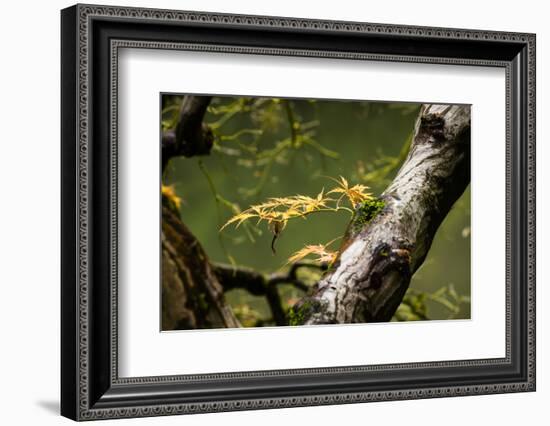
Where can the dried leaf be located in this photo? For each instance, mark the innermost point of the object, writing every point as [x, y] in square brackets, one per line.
[355, 194]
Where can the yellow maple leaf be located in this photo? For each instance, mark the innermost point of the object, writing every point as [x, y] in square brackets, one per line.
[169, 192]
[239, 218]
[320, 250]
[355, 194]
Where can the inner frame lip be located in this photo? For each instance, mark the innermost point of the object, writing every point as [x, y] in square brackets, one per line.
[321, 370]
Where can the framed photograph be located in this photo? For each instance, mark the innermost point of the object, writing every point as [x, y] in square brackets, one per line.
[263, 212]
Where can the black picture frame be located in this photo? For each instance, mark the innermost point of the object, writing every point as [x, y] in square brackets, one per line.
[90, 386]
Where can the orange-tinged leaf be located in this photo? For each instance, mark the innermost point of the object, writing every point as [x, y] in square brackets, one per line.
[323, 255]
[239, 218]
[355, 194]
[170, 192]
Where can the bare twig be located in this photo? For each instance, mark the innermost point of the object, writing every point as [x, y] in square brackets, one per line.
[259, 284]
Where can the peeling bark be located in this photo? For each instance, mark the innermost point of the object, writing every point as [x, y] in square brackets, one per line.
[378, 256]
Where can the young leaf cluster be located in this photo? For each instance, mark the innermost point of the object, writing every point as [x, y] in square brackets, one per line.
[279, 210]
[276, 212]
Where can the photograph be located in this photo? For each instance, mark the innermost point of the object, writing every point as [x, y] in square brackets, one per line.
[301, 212]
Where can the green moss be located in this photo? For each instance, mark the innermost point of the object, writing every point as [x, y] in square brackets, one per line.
[366, 211]
[298, 314]
[203, 302]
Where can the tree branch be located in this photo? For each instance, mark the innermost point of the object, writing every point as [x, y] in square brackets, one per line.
[240, 277]
[259, 284]
[378, 257]
[191, 136]
[255, 282]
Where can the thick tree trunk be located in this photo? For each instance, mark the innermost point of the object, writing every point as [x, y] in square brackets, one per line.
[378, 256]
[192, 296]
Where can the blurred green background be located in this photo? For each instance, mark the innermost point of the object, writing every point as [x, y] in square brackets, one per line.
[369, 140]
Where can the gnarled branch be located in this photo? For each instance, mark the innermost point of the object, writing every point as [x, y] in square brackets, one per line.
[191, 137]
[259, 284]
